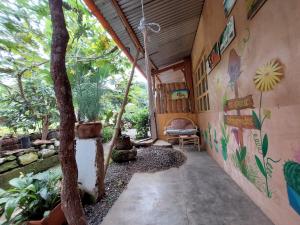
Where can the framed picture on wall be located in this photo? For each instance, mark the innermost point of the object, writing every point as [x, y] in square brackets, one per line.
[253, 6]
[180, 94]
[228, 35]
[213, 58]
[228, 6]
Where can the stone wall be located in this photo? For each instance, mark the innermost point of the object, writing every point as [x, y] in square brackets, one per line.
[41, 156]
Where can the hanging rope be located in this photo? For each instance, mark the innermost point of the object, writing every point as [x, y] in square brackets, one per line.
[154, 27]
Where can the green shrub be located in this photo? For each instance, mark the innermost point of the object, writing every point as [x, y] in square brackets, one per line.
[141, 119]
[31, 197]
[107, 133]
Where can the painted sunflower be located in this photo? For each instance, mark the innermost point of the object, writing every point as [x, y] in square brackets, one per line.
[268, 76]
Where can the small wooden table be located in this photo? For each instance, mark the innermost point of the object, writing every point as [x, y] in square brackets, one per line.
[189, 139]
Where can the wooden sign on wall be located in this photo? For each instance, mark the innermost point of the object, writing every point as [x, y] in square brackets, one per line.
[239, 103]
[240, 121]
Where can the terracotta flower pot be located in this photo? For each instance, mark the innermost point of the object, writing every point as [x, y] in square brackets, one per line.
[88, 130]
[55, 217]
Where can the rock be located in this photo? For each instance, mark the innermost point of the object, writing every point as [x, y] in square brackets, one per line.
[123, 155]
[17, 152]
[42, 142]
[8, 166]
[27, 150]
[53, 135]
[123, 142]
[9, 141]
[51, 147]
[28, 158]
[7, 159]
[56, 143]
[45, 153]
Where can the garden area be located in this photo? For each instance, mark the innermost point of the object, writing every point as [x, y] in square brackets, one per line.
[36, 160]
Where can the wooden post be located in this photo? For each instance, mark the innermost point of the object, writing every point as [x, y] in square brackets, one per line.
[150, 92]
[120, 114]
[190, 86]
[168, 97]
[158, 99]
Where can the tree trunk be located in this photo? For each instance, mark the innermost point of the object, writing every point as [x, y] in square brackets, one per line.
[70, 198]
[45, 128]
[20, 85]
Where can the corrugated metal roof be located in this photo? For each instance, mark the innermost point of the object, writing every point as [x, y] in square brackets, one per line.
[178, 20]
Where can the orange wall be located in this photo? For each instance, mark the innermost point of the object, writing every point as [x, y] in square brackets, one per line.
[273, 33]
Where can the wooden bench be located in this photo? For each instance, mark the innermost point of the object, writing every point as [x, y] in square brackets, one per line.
[179, 127]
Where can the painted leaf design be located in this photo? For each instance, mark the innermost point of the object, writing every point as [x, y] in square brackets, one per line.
[265, 144]
[238, 155]
[260, 166]
[224, 148]
[243, 153]
[256, 120]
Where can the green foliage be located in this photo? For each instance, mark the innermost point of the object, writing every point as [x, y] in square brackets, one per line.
[256, 120]
[31, 197]
[265, 145]
[241, 156]
[216, 144]
[205, 136]
[224, 141]
[24, 114]
[247, 170]
[292, 175]
[107, 133]
[260, 166]
[25, 41]
[141, 121]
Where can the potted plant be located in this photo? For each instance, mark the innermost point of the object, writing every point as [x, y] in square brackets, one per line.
[34, 199]
[88, 92]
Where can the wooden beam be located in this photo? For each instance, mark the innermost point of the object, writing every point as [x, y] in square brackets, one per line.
[97, 13]
[174, 67]
[129, 29]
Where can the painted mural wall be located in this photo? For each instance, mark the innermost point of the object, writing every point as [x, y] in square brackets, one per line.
[252, 49]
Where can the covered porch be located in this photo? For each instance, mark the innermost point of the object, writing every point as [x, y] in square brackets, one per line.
[221, 56]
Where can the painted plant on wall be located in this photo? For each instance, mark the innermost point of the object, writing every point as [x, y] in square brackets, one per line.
[207, 136]
[266, 78]
[240, 158]
[224, 140]
[292, 177]
[216, 142]
[291, 171]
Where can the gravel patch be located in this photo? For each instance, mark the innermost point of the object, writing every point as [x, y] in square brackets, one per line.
[149, 159]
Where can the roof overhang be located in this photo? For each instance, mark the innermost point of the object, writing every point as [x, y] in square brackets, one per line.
[178, 20]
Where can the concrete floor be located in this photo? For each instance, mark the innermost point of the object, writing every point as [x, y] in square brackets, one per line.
[197, 193]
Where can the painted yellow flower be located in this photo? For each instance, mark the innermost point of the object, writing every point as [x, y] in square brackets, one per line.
[267, 113]
[268, 76]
